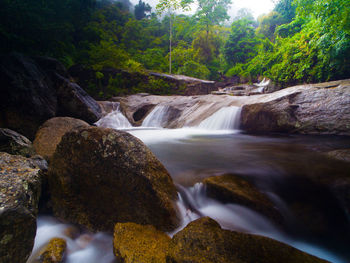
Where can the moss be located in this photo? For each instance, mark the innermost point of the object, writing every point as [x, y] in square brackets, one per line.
[54, 252]
[135, 243]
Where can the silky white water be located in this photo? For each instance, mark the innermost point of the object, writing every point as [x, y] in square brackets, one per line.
[158, 117]
[226, 118]
[114, 120]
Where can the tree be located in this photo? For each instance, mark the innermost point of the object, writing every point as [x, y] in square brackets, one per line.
[268, 24]
[212, 12]
[242, 42]
[286, 9]
[170, 6]
[142, 10]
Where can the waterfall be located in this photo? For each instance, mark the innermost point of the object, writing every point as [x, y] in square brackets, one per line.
[115, 120]
[158, 117]
[226, 118]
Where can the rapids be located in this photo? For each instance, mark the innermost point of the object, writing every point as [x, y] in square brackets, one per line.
[274, 163]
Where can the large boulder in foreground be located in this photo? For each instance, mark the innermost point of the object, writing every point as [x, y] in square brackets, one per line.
[101, 176]
[203, 241]
[50, 133]
[230, 188]
[20, 186]
[136, 243]
[15, 143]
[310, 109]
[36, 89]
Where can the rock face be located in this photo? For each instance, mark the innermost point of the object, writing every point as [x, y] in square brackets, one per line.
[36, 89]
[310, 109]
[20, 186]
[230, 188]
[101, 176]
[204, 241]
[131, 82]
[135, 243]
[50, 133]
[15, 143]
[54, 252]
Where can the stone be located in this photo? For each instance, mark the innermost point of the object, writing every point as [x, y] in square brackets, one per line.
[35, 89]
[307, 109]
[99, 176]
[20, 187]
[15, 143]
[50, 133]
[54, 252]
[139, 243]
[341, 154]
[230, 188]
[204, 241]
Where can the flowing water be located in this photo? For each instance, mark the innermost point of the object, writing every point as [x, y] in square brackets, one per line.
[281, 166]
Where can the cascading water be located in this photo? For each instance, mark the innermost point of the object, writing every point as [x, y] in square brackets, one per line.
[115, 120]
[157, 118]
[226, 118]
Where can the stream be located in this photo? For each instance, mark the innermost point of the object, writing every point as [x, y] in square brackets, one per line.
[281, 166]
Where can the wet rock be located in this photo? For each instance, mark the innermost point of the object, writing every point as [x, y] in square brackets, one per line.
[341, 154]
[20, 186]
[54, 252]
[230, 188]
[136, 243]
[15, 143]
[50, 133]
[101, 176]
[203, 240]
[36, 89]
[310, 109]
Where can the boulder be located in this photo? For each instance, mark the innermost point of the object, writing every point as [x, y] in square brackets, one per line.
[136, 243]
[20, 186]
[230, 188]
[308, 109]
[54, 251]
[36, 89]
[204, 241]
[341, 154]
[15, 143]
[50, 133]
[101, 176]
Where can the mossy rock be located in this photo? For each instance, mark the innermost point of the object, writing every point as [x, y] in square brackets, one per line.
[50, 133]
[203, 241]
[135, 243]
[54, 252]
[230, 188]
[20, 187]
[101, 176]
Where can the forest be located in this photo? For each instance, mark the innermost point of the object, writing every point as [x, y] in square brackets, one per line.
[297, 42]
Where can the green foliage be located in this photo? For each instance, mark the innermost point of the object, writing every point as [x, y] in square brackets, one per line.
[268, 24]
[286, 9]
[194, 69]
[242, 42]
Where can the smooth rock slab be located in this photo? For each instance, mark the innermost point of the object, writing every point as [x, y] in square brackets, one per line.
[20, 186]
[101, 176]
